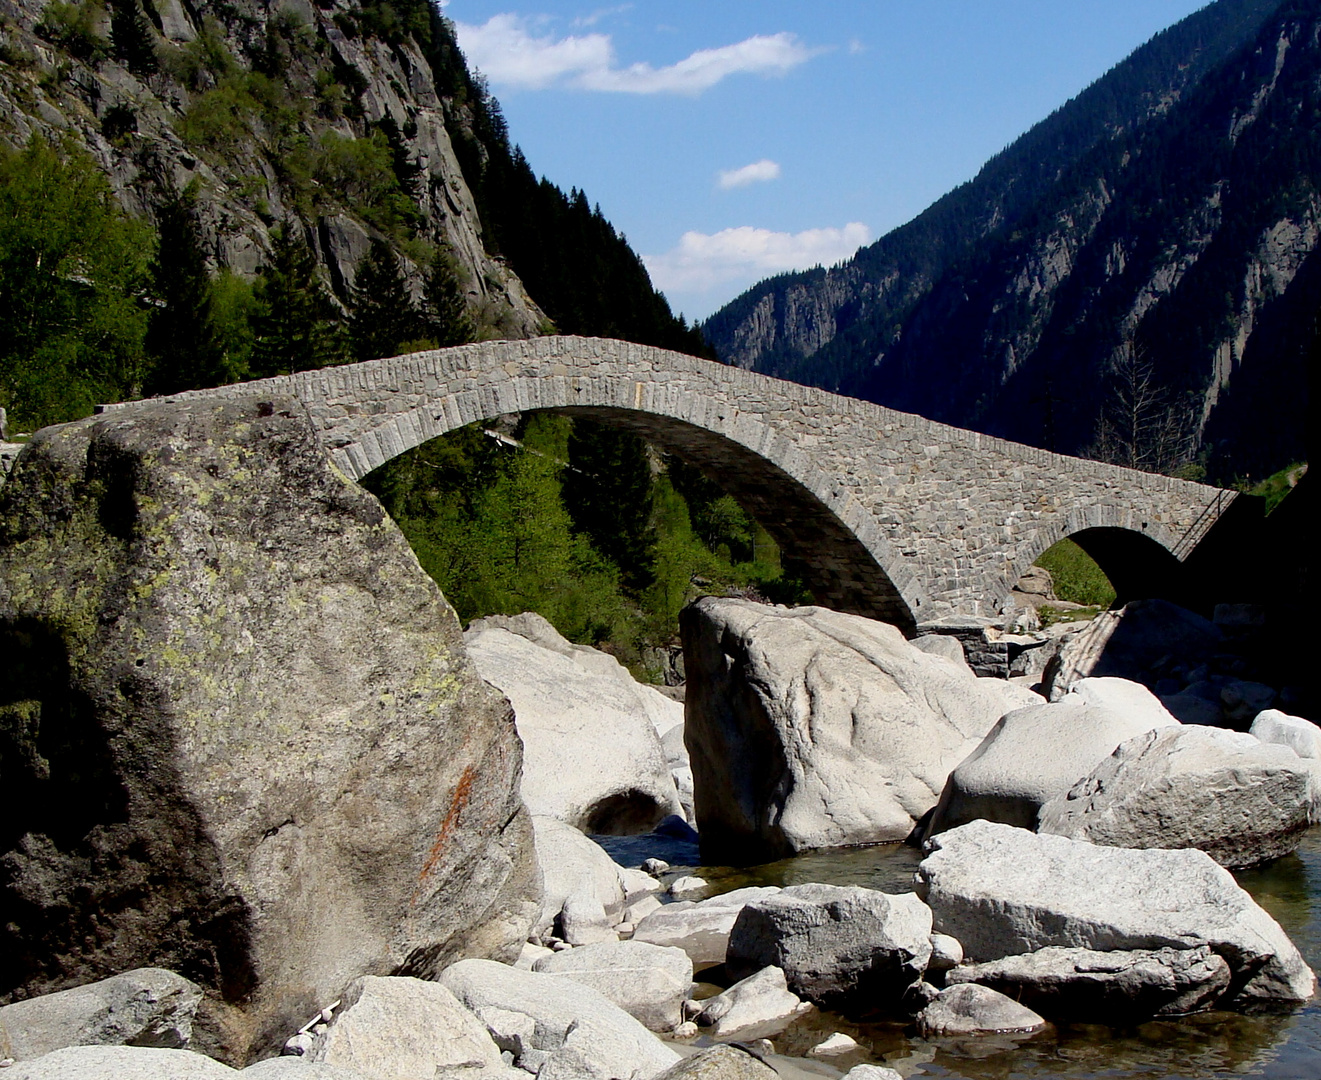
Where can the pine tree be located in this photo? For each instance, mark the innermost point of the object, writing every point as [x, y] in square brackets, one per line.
[381, 313]
[607, 491]
[443, 307]
[131, 38]
[182, 341]
[299, 327]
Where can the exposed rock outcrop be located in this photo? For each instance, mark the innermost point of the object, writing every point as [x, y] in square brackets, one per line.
[810, 728]
[241, 737]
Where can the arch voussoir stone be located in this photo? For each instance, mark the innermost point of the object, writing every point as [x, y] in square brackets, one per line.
[888, 514]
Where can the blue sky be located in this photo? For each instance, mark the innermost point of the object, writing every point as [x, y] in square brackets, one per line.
[733, 139]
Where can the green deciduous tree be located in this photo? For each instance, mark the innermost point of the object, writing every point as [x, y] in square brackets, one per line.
[73, 270]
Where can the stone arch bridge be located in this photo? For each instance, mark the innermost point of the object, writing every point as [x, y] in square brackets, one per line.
[885, 514]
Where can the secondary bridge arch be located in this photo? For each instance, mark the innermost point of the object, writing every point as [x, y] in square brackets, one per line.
[890, 515]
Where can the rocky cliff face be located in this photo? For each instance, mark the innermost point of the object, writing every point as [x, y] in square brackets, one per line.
[339, 117]
[1153, 228]
[239, 734]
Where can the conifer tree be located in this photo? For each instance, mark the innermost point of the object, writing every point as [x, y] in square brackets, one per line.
[131, 37]
[443, 307]
[607, 491]
[299, 327]
[182, 341]
[381, 312]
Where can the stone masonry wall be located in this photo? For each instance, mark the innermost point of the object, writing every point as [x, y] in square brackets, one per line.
[891, 515]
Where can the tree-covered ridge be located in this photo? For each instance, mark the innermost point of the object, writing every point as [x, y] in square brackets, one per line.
[270, 159]
[862, 305]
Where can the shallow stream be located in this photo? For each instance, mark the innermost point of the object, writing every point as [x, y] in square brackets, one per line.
[1206, 1045]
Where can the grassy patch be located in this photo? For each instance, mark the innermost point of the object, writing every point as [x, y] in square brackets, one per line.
[1077, 577]
[1274, 488]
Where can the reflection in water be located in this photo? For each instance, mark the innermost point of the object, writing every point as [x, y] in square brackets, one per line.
[1279, 1047]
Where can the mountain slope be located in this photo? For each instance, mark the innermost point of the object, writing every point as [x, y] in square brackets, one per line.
[1151, 222]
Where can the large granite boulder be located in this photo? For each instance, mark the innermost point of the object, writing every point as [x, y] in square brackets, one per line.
[147, 1007]
[1034, 754]
[240, 738]
[701, 928]
[810, 728]
[592, 756]
[574, 867]
[1003, 891]
[556, 1027]
[120, 1063]
[1123, 986]
[1241, 801]
[724, 1061]
[839, 946]
[401, 1029]
[649, 982]
[1302, 737]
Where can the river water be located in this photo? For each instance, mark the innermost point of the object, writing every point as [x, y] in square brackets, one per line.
[1286, 1045]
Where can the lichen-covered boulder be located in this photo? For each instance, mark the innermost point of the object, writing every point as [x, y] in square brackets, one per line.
[810, 728]
[239, 736]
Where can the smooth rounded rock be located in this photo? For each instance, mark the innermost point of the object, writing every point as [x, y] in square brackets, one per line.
[120, 1063]
[968, 1009]
[649, 982]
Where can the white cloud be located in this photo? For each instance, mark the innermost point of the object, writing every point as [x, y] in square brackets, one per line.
[856, 47]
[759, 172]
[703, 262]
[601, 13]
[508, 51]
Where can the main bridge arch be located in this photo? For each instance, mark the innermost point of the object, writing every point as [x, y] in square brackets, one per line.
[886, 514]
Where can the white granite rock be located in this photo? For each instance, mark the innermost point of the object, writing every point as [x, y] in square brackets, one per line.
[810, 728]
[573, 865]
[1002, 891]
[120, 1063]
[1240, 800]
[1033, 754]
[649, 982]
[699, 927]
[591, 754]
[400, 1028]
[145, 1007]
[557, 1027]
[842, 946]
[759, 1004]
[968, 1009]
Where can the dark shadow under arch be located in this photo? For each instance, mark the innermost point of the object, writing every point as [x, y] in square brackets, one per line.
[1138, 567]
[814, 543]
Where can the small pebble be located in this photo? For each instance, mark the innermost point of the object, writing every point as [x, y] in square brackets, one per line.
[761, 1046]
[655, 867]
[692, 1008]
[838, 1043]
[299, 1045]
[686, 1030]
[560, 946]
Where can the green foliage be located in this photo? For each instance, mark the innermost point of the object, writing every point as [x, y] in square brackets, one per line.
[235, 310]
[1274, 488]
[444, 309]
[1077, 577]
[298, 327]
[72, 271]
[131, 38]
[243, 107]
[75, 28]
[183, 339]
[381, 312]
[608, 495]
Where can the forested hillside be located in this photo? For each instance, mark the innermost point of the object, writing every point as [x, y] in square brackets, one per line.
[198, 194]
[1134, 278]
